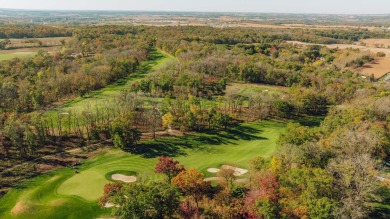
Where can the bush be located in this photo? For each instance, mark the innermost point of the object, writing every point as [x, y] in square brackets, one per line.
[381, 54]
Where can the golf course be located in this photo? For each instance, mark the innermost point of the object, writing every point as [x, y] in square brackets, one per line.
[52, 195]
[64, 193]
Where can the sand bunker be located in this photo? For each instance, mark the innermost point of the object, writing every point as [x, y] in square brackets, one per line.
[123, 178]
[110, 205]
[213, 170]
[237, 171]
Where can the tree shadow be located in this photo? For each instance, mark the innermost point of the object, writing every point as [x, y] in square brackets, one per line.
[310, 121]
[177, 146]
[380, 212]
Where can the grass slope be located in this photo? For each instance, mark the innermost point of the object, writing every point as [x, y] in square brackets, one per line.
[65, 194]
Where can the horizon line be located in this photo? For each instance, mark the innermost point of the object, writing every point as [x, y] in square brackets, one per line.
[188, 11]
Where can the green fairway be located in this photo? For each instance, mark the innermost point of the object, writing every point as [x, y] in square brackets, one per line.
[11, 56]
[107, 95]
[50, 195]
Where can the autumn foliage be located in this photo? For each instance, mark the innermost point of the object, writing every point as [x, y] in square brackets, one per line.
[110, 190]
[191, 182]
[169, 167]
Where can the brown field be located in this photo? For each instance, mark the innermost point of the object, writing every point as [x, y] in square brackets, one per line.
[20, 48]
[26, 52]
[296, 26]
[50, 41]
[51, 49]
[377, 43]
[379, 67]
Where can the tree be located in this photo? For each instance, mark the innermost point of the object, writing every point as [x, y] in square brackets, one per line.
[262, 200]
[297, 134]
[110, 190]
[283, 108]
[153, 118]
[169, 167]
[315, 104]
[146, 200]
[124, 137]
[192, 183]
[257, 164]
[228, 176]
[355, 182]
[304, 190]
[167, 120]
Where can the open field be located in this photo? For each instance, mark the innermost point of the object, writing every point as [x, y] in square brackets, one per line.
[25, 52]
[248, 89]
[380, 67]
[32, 42]
[296, 26]
[24, 48]
[53, 194]
[16, 55]
[377, 43]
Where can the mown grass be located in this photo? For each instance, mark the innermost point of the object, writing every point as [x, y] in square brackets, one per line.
[67, 194]
[4, 57]
[108, 94]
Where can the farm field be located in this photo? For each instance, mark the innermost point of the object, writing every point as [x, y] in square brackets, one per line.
[29, 47]
[25, 52]
[379, 67]
[31, 42]
[53, 194]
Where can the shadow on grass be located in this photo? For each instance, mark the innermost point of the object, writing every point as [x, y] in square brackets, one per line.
[176, 146]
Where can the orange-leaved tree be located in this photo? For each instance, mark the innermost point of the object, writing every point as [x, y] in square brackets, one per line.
[191, 182]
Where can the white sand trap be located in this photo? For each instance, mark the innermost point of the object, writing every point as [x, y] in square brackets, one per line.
[237, 171]
[123, 178]
[108, 205]
[213, 170]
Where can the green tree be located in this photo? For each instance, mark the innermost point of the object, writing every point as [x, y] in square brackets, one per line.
[146, 200]
[124, 136]
[283, 109]
[315, 104]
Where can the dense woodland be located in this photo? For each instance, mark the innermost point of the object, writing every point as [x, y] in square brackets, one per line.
[328, 171]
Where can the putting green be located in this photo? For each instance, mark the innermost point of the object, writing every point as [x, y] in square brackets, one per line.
[77, 185]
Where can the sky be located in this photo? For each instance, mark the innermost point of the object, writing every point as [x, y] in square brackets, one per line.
[278, 6]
